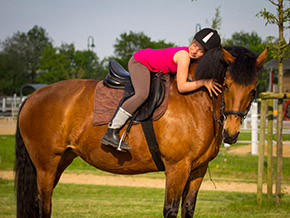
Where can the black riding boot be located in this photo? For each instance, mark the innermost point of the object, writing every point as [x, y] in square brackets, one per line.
[112, 137]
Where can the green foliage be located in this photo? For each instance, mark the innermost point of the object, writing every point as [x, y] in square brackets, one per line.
[67, 63]
[216, 21]
[270, 17]
[131, 42]
[20, 58]
[279, 48]
[251, 41]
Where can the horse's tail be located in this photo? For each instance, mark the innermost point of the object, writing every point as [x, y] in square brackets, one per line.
[25, 178]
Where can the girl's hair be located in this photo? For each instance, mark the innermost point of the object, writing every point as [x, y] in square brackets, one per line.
[211, 66]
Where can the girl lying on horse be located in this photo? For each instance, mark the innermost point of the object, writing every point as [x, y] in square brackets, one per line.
[170, 60]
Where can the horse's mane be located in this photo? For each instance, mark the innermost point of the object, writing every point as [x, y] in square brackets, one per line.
[211, 66]
[243, 70]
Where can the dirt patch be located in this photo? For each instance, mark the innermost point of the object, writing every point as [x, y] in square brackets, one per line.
[7, 126]
[132, 181]
[247, 149]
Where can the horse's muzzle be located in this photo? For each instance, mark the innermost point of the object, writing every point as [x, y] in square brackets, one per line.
[230, 139]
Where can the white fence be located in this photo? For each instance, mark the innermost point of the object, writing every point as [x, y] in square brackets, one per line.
[9, 105]
[251, 125]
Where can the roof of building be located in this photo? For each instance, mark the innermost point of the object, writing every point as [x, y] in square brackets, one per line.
[31, 86]
[273, 64]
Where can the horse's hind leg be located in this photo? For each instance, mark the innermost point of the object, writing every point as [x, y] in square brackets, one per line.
[190, 192]
[46, 176]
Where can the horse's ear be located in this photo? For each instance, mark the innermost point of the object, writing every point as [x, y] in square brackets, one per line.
[228, 57]
[262, 57]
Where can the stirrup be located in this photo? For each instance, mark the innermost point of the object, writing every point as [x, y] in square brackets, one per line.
[125, 134]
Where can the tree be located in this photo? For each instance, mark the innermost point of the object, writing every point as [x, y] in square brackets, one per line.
[217, 19]
[251, 41]
[282, 20]
[67, 63]
[128, 44]
[21, 55]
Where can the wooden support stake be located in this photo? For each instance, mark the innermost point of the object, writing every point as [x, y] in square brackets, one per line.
[261, 151]
[279, 151]
[270, 150]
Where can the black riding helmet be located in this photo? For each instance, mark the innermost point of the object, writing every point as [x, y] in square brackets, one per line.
[208, 38]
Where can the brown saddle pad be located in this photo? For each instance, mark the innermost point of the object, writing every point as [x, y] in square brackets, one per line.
[106, 101]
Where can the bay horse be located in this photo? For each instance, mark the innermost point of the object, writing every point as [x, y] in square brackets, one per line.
[55, 126]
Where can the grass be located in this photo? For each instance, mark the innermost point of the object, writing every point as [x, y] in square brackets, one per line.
[243, 168]
[7, 152]
[71, 200]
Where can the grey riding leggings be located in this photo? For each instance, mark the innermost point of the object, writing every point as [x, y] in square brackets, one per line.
[140, 77]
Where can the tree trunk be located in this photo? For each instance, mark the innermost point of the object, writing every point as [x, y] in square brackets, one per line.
[280, 106]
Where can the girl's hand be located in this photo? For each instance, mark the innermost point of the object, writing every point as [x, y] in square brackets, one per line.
[212, 87]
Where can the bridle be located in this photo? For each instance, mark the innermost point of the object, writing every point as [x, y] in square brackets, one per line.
[224, 114]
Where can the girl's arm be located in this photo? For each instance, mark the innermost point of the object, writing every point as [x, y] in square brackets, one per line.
[182, 60]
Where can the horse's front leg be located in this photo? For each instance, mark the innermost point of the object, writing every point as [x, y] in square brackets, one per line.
[191, 190]
[176, 178]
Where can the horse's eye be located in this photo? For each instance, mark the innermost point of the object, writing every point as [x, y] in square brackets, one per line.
[253, 92]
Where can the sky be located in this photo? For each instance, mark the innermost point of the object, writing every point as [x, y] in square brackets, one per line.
[176, 21]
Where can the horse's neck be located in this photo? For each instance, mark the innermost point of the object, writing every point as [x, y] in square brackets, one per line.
[199, 96]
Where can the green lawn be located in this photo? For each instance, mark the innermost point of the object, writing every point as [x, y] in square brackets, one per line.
[71, 200]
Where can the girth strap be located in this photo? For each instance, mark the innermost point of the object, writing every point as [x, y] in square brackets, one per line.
[149, 133]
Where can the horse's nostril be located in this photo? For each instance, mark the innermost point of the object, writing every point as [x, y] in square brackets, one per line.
[230, 139]
[226, 134]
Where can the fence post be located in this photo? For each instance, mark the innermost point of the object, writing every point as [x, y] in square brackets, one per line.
[254, 123]
[261, 151]
[270, 150]
[13, 105]
[4, 104]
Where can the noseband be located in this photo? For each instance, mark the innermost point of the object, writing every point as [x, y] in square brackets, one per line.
[224, 114]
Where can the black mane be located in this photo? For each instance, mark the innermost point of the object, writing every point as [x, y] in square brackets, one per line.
[243, 70]
[211, 66]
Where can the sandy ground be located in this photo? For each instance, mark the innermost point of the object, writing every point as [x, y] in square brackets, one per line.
[246, 149]
[7, 126]
[148, 182]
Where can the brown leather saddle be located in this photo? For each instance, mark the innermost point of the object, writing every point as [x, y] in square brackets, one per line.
[117, 88]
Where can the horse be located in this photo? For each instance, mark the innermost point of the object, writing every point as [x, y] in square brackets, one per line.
[54, 126]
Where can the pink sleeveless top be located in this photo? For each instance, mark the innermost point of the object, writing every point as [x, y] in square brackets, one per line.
[159, 59]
